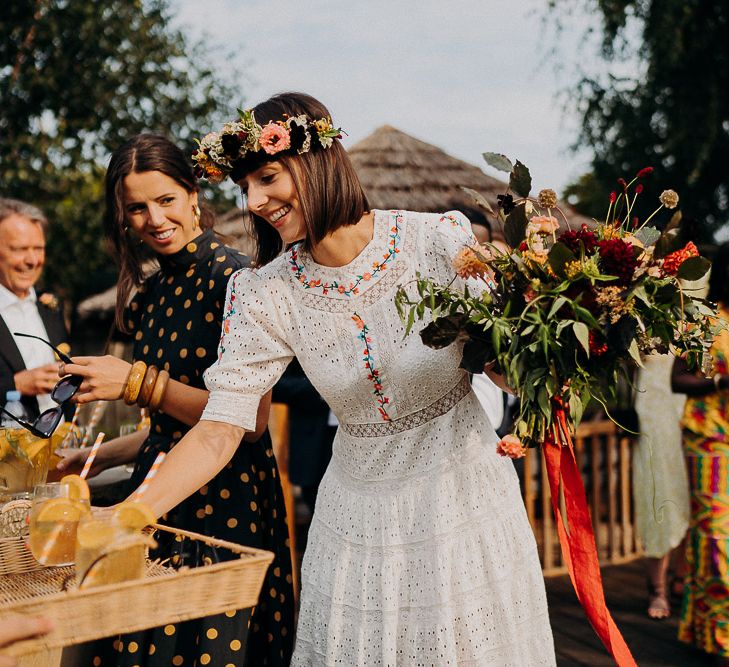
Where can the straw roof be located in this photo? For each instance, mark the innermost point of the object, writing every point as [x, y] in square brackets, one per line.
[402, 172]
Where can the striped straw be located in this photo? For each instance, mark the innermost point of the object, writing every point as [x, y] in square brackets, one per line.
[93, 421]
[69, 436]
[52, 539]
[92, 455]
[152, 472]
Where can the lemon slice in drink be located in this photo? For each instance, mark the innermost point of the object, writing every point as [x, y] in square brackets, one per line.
[94, 534]
[79, 489]
[134, 515]
[60, 509]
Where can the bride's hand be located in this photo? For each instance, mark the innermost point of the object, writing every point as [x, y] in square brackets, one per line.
[104, 377]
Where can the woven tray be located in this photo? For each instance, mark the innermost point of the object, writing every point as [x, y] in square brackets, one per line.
[164, 596]
[15, 556]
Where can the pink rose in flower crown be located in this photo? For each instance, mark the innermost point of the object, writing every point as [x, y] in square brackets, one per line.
[542, 224]
[510, 446]
[274, 138]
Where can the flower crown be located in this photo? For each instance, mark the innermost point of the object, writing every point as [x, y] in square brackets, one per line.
[219, 151]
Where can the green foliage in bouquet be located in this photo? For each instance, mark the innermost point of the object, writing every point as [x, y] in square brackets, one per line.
[564, 311]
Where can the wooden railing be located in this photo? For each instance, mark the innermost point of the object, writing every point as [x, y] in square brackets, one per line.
[604, 458]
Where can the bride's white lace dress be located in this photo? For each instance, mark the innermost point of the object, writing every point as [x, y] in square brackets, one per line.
[419, 552]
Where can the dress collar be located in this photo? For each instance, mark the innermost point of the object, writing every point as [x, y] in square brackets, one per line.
[197, 250]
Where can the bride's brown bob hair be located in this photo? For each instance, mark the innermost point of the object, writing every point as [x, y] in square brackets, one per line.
[326, 183]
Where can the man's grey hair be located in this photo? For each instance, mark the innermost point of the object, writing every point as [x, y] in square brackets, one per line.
[10, 207]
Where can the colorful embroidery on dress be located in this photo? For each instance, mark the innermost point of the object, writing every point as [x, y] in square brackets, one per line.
[230, 310]
[369, 360]
[457, 224]
[393, 248]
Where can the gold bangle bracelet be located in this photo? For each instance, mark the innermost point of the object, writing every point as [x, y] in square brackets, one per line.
[145, 393]
[134, 382]
[158, 393]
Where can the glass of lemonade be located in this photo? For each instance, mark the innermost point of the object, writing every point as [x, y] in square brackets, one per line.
[54, 518]
[24, 460]
[110, 547]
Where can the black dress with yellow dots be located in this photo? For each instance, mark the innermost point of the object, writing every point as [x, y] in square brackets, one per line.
[175, 320]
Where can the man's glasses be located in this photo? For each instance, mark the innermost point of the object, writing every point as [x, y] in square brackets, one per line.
[64, 391]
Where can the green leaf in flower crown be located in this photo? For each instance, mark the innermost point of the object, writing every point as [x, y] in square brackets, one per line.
[582, 333]
[558, 256]
[693, 268]
[443, 331]
[498, 161]
[478, 198]
[520, 180]
[515, 226]
[648, 236]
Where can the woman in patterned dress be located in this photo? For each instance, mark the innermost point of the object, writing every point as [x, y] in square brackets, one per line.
[419, 551]
[175, 319]
[705, 610]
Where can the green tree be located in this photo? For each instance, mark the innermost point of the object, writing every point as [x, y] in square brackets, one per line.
[77, 79]
[670, 112]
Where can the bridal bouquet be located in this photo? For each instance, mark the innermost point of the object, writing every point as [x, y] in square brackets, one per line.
[562, 311]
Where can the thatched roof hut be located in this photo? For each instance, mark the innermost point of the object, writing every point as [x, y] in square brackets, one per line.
[400, 171]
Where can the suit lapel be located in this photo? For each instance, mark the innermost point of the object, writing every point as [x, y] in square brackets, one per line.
[9, 349]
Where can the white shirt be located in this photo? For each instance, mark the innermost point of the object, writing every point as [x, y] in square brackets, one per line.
[22, 315]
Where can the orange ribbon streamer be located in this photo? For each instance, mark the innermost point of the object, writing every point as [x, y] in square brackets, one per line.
[578, 545]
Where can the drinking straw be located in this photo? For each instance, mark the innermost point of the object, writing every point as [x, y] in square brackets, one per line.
[67, 438]
[152, 472]
[92, 455]
[95, 417]
[59, 527]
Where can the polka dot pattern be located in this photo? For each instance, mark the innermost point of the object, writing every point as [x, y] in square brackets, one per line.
[178, 323]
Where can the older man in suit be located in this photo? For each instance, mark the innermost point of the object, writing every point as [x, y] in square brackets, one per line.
[26, 364]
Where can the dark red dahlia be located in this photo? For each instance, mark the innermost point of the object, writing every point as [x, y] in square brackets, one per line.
[231, 144]
[583, 237]
[617, 259]
[598, 346]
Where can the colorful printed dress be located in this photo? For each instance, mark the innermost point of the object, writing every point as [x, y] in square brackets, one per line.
[175, 320]
[705, 609]
[419, 552]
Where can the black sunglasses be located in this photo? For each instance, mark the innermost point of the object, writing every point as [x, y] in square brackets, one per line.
[64, 391]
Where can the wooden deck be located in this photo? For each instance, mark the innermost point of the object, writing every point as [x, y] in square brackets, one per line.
[653, 643]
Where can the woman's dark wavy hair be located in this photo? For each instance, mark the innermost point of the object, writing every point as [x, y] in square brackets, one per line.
[327, 185]
[145, 152]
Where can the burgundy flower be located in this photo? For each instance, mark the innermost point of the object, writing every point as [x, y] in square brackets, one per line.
[581, 237]
[613, 196]
[505, 202]
[231, 144]
[622, 183]
[638, 188]
[617, 259]
[644, 172]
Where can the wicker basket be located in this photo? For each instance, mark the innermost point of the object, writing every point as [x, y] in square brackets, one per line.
[15, 556]
[164, 596]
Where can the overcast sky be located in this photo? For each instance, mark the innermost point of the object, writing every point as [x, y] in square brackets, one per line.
[467, 75]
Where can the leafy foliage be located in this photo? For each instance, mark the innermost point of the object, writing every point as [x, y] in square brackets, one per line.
[77, 79]
[671, 112]
[564, 312]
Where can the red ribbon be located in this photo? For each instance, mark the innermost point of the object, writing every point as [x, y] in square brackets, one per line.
[578, 546]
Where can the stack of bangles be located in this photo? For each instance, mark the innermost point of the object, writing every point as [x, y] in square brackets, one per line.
[146, 386]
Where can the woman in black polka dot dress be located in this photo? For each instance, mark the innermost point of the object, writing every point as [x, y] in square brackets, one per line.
[175, 321]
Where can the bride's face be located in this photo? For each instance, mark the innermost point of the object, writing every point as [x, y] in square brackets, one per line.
[271, 194]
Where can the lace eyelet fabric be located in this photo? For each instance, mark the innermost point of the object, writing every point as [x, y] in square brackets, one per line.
[419, 552]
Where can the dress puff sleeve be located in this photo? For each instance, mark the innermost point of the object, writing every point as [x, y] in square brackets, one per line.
[253, 351]
[454, 233]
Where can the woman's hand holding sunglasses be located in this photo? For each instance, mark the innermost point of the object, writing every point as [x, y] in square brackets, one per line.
[104, 378]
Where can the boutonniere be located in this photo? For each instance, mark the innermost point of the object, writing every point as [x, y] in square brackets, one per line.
[49, 300]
